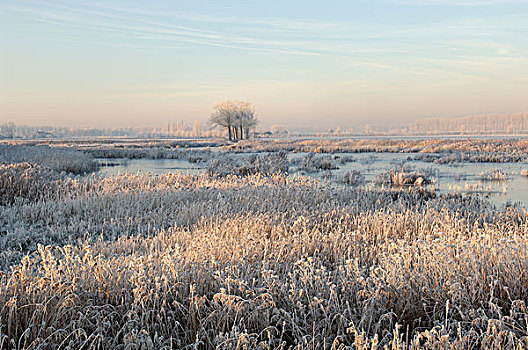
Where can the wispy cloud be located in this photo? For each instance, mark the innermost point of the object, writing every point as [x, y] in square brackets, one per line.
[126, 25]
[454, 2]
[367, 45]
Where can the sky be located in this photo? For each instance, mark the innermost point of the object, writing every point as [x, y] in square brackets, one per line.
[304, 63]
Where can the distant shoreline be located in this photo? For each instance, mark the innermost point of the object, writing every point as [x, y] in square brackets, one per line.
[288, 137]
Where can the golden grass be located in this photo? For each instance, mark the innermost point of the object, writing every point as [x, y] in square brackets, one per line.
[262, 262]
[487, 149]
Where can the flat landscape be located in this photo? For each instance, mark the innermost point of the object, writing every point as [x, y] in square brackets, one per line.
[292, 175]
[310, 243]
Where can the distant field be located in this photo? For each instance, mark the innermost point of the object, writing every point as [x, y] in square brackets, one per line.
[242, 255]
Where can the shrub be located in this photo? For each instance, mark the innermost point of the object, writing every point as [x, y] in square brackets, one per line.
[401, 178]
[271, 163]
[353, 177]
[313, 163]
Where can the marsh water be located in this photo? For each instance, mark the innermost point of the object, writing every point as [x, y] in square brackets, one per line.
[461, 177]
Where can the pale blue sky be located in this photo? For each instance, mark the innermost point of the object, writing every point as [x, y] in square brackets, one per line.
[302, 63]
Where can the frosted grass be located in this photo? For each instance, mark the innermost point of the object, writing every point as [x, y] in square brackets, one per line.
[186, 261]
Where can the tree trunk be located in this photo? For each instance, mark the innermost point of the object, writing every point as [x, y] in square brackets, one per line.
[229, 131]
[241, 133]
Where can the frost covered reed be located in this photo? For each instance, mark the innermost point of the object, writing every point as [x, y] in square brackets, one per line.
[192, 150]
[402, 178]
[515, 148]
[58, 159]
[312, 163]
[353, 177]
[272, 163]
[184, 261]
[470, 157]
[494, 175]
[24, 181]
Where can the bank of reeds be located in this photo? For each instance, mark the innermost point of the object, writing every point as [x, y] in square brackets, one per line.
[56, 158]
[451, 150]
[186, 261]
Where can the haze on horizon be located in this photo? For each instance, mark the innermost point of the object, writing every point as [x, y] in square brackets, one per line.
[301, 63]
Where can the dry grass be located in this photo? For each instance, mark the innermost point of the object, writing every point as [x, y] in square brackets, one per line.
[56, 158]
[271, 163]
[352, 177]
[183, 261]
[403, 178]
[191, 150]
[494, 175]
[26, 182]
[454, 150]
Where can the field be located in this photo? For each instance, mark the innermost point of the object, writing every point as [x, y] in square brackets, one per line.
[244, 256]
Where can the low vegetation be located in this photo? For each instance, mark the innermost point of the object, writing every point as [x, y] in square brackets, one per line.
[129, 149]
[402, 178]
[353, 177]
[245, 256]
[494, 175]
[476, 150]
[314, 163]
[24, 182]
[472, 157]
[56, 158]
[271, 163]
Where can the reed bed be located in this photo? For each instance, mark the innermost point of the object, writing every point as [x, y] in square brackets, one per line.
[473, 157]
[192, 150]
[451, 150]
[270, 163]
[494, 175]
[56, 158]
[139, 261]
[434, 150]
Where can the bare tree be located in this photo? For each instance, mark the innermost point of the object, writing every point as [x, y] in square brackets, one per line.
[8, 130]
[249, 121]
[223, 116]
[237, 116]
[491, 123]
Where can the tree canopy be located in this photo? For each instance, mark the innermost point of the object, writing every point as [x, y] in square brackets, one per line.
[237, 116]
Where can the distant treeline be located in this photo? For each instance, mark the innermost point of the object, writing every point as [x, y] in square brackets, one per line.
[516, 123]
[10, 130]
[475, 124]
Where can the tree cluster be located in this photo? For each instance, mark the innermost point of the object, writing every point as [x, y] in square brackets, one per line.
[10, 130]
[237, 117]
[491, 123]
